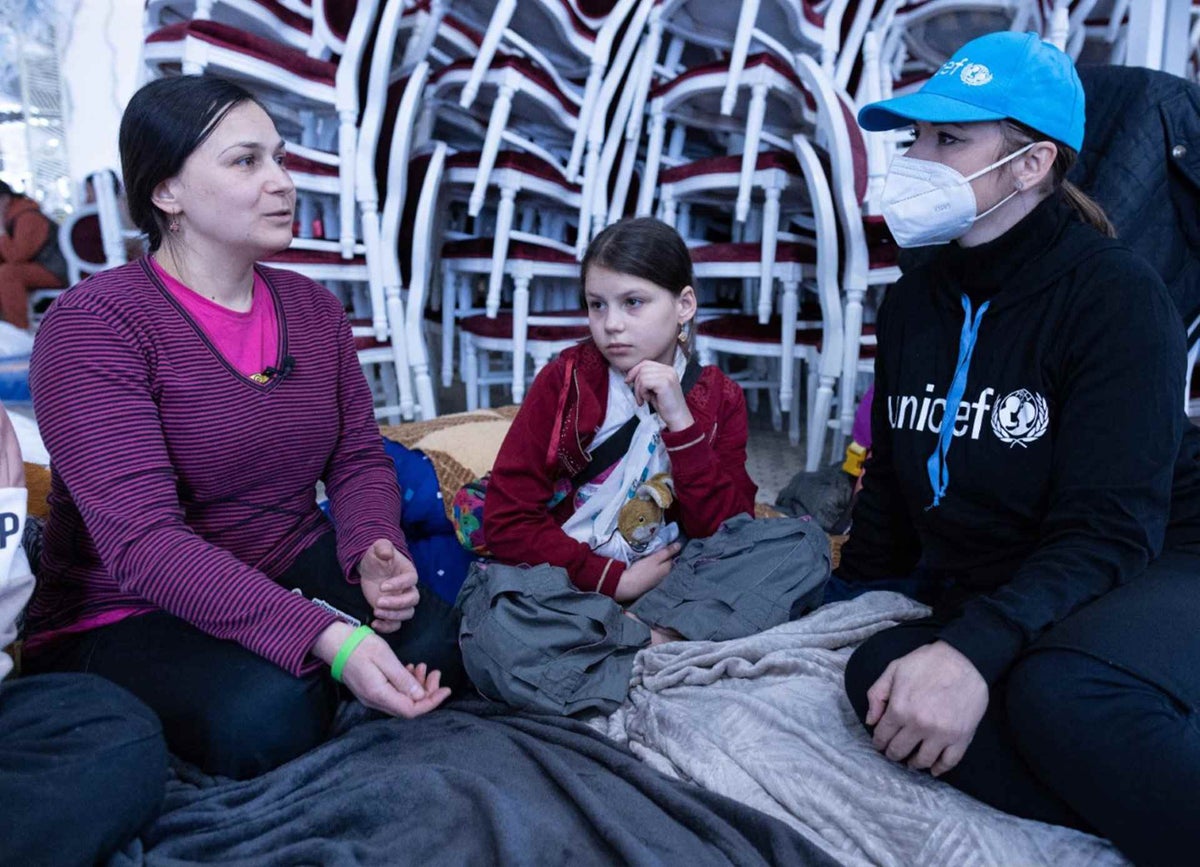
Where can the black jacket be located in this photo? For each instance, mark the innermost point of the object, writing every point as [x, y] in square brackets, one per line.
[1067, 438]
[1141, 162]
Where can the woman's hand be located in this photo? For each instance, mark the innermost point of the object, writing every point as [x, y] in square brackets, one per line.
[389, 583]
[378, 679]
[659, 384]
[645, 574]
[926, 706]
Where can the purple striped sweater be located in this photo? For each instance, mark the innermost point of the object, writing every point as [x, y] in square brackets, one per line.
[179, 484]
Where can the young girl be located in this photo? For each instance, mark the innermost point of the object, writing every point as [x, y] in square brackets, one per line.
[626, 408]
[637, 281]
[1050, 492]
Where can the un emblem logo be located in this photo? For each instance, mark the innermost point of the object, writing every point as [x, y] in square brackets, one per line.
[975, 74]
[1020, 418]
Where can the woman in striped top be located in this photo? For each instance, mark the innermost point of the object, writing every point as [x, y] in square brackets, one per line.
[191, 401]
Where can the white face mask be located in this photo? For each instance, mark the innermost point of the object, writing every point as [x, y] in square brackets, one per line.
[928, 203]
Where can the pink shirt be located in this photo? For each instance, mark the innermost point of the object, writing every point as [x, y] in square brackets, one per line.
[248, 341]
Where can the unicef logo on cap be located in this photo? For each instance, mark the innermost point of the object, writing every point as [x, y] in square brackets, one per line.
[975, 74]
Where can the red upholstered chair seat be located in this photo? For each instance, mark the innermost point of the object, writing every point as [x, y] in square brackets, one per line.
[295, 163]
[86, 240]
[286, 16]
[502, 327]
[722, 67]
[258, 47]
[481, 248]
[749, 330]
[366, 340]
[731, 165]
[520, 161]
[523, 65]
[313, 257]
[751, 251]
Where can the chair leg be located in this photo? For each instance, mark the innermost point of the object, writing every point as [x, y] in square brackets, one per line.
[347, 139]
[470, 368]
[788, 341]
[487, 50]
[850, 349]
[773, 397]
[658, 123]
[818, 424]
[491, 146]
[395, 317]
[794, 410]
[485, 384]
[737, 57]
[770, 241]
[449, 291]
[520, 335]
[504, 219]
[754, 125]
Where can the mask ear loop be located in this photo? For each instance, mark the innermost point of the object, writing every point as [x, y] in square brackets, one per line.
[995, 165]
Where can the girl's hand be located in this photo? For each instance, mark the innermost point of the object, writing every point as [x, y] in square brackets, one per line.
[645, 574]
[926, 706]
[659, 384]
[377, 678]
[12, 470]
[389, 583]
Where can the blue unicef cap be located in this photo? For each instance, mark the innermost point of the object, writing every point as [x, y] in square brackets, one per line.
[997, 76]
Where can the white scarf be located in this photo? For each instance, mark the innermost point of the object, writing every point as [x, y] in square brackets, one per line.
[595, 521]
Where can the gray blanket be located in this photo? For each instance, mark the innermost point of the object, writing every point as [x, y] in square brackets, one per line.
[463, 786]
[765, 720]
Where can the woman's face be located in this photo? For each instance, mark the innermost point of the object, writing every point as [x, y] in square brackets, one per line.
[967, 148]
[233, 193]
[633, 319]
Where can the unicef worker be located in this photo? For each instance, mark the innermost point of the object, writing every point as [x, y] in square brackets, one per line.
[1032, 462]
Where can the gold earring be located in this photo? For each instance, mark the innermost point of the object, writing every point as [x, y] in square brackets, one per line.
[173, 226]
[683, 334]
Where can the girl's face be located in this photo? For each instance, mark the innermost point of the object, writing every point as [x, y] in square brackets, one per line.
[632, 319]
[233, 191]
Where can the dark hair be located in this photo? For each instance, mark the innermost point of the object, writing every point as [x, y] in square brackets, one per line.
[163, 124]
[6, 190]
[1017, 135]
[647, 248]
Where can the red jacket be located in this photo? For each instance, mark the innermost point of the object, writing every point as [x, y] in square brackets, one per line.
[548, 443]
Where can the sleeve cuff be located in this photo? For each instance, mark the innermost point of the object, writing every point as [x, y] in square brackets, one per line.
[687, 447]
[600, 575]
[991, 643]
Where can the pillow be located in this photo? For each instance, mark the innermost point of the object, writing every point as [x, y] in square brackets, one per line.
[461, 447]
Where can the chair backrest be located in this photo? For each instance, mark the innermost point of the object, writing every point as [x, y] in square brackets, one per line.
[425, 236]
[397, 167]
[846, 147]
[827, 282]
[82, 243]
[106, 192]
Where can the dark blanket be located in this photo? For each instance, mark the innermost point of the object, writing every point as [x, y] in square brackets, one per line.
[463, 785]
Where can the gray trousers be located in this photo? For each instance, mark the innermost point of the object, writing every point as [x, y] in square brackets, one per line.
[531, 639]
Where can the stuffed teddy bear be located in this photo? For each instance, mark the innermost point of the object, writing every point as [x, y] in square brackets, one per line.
[641, 518]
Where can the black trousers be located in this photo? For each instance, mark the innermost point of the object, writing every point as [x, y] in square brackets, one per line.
[83, 769]
[224, 708]
[1097, 725]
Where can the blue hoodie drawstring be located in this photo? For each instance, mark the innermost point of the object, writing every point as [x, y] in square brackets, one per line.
[939, 471]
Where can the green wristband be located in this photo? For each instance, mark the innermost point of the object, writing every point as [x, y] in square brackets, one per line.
[347, 648]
